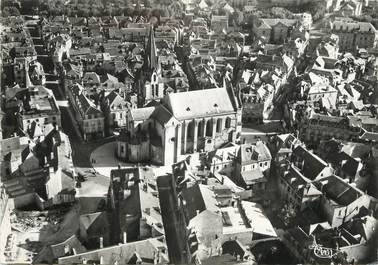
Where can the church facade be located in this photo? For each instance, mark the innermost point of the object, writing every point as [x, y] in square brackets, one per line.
[182, 124]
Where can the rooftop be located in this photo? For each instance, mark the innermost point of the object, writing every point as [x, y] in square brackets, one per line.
[199, 103]
[338, 190]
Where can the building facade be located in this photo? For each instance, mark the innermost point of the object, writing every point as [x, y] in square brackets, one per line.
[353, 35]
[185, 123]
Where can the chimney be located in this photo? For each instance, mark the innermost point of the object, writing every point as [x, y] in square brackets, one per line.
[124, 237]
[66, 249]
[84, 261]
[101, 260]
[205, 180]
[101, 242]
[197, 212]
[222, 180]
[74, 251]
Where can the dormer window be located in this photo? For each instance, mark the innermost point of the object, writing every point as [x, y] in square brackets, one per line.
[215, 105]
[187, 109]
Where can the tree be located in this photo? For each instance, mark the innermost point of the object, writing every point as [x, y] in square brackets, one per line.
[288, 214]
[10, 11]
[145, 12]
[147, 3]
[129, 11]
[164, 12]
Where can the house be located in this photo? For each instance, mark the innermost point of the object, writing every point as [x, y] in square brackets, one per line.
[282, 148]
[320, 127]
[354, 34]
[274, 30]
[317, 243]
[88, 116]
[37, 104]
[283, 63]
[349, 8]
[166, 34]
[213, 226]
[222, 160]
[37, 178]
[326, 95]
[252, 166]
[297, 190]
[23, 67]
[219, 23]
[115, 109]
[351, 169]
[71, 74]
[341, 201]
[311, 165]
[36, 73]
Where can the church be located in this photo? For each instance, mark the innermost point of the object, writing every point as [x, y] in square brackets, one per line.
[170, 125]
[181, 124]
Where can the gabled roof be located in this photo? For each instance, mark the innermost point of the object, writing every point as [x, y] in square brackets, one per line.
[199, 103]
[350, 166]
[260, 223]
[338, 191]
[35, 130]
[91, 77]
[203, 4]
[201, 198]
[87, 105]
[161, 115]
[76, 70]
[264, 25]
[141, 114]
[115, 99]
[313, 164]
[88, 219]
[351, 26]
[110, 78]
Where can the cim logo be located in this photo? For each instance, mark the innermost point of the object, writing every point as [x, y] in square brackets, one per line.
[322, 252]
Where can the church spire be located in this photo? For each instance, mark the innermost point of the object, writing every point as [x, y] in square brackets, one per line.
[28, 83]
[151, 59]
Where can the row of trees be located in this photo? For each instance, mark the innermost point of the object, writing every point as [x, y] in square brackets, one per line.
[91, 8]
[316, 8]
